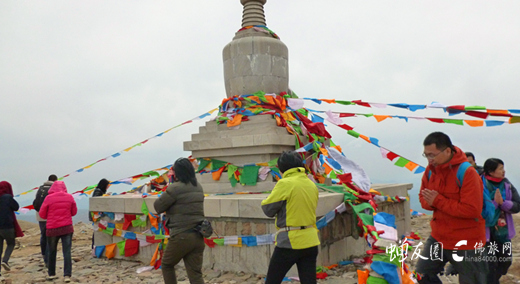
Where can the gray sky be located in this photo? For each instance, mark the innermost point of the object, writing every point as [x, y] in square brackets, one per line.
[81, 80]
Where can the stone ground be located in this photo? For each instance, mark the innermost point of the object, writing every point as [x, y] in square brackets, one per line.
[27, 266]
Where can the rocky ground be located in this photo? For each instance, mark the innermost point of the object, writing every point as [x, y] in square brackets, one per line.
[27, 265]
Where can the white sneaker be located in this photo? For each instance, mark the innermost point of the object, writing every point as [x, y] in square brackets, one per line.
[51, 278]
[6, 266]
[66, 279]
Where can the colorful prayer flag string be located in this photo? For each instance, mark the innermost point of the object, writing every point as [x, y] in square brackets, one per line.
[127, 149]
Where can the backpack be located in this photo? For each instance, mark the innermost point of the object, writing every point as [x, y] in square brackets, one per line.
[488, 209]
[43, 191]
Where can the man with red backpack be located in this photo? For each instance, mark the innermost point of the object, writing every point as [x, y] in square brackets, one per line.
[457, 224]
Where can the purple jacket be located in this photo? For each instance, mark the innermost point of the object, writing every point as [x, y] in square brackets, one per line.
[510, 206]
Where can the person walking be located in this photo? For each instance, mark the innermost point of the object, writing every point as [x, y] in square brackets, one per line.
[42, 192]
[9, 228]
[293, 201]
[183, 204]
[500, 229]
[58, 208]
[457, 225]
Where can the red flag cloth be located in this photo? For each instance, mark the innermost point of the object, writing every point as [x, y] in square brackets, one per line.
[362, 103]
[346, 126]
[459, 107]
[345, 114]
[438, 120]
[391, 156]
[152, 240]
[478, 114]
[102, 226]
[209, 242]
[158, 262]
[6, 188]
[321, 275]
[128, 220]
[345, 178]
[131, 247]
[375, 251]
[317, 128]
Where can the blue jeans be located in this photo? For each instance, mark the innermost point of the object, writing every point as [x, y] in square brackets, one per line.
[43, 240]
[52, 248]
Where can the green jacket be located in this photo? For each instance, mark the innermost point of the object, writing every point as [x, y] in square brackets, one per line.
[293, 201]
[183, 205]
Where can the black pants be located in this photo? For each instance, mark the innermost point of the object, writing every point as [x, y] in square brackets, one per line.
[499, 261]
[283, 259]
[43, 240]
[471, 271]
[8, 235]
[66, 247]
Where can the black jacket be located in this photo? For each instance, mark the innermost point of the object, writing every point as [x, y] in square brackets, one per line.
[7, 206]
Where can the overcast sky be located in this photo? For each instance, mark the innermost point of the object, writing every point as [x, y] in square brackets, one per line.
[81, 80]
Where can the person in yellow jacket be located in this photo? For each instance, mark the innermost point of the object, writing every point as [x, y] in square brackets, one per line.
[293, 201]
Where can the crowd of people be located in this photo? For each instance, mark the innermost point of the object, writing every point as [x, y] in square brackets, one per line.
[472, 208]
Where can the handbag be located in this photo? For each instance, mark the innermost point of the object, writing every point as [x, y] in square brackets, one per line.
[205, 228]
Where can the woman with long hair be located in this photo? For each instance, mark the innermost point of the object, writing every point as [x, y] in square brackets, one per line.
[183, 204]
[500, 228]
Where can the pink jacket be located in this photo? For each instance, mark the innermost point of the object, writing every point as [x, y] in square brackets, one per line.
[58, 207]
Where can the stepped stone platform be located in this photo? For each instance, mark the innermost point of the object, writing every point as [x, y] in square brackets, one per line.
[236, 215]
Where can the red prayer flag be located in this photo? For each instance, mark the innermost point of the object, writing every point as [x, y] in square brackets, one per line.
[391, 156]
[131, 247]
[361, 103]
[128, 220]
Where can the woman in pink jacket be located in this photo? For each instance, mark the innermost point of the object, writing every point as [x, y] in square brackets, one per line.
[58, 208]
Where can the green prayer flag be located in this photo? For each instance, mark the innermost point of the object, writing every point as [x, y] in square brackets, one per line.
[353, 133]
[366, 219]
[144, 208]
[231, 174]
[150, 173]
[333, 175]
[514, 119]
[454, 121]
[361, 207]
[401, 162]
[475, 108]
[273, 162]
[332, 143]
[202, 164]
[121, 246]
[375, 280]
[160, 237]
[219, 242]
[139, 222]
[109, 231]
[347, 103]
[217, 164]
[249, 175]
[302, 111]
